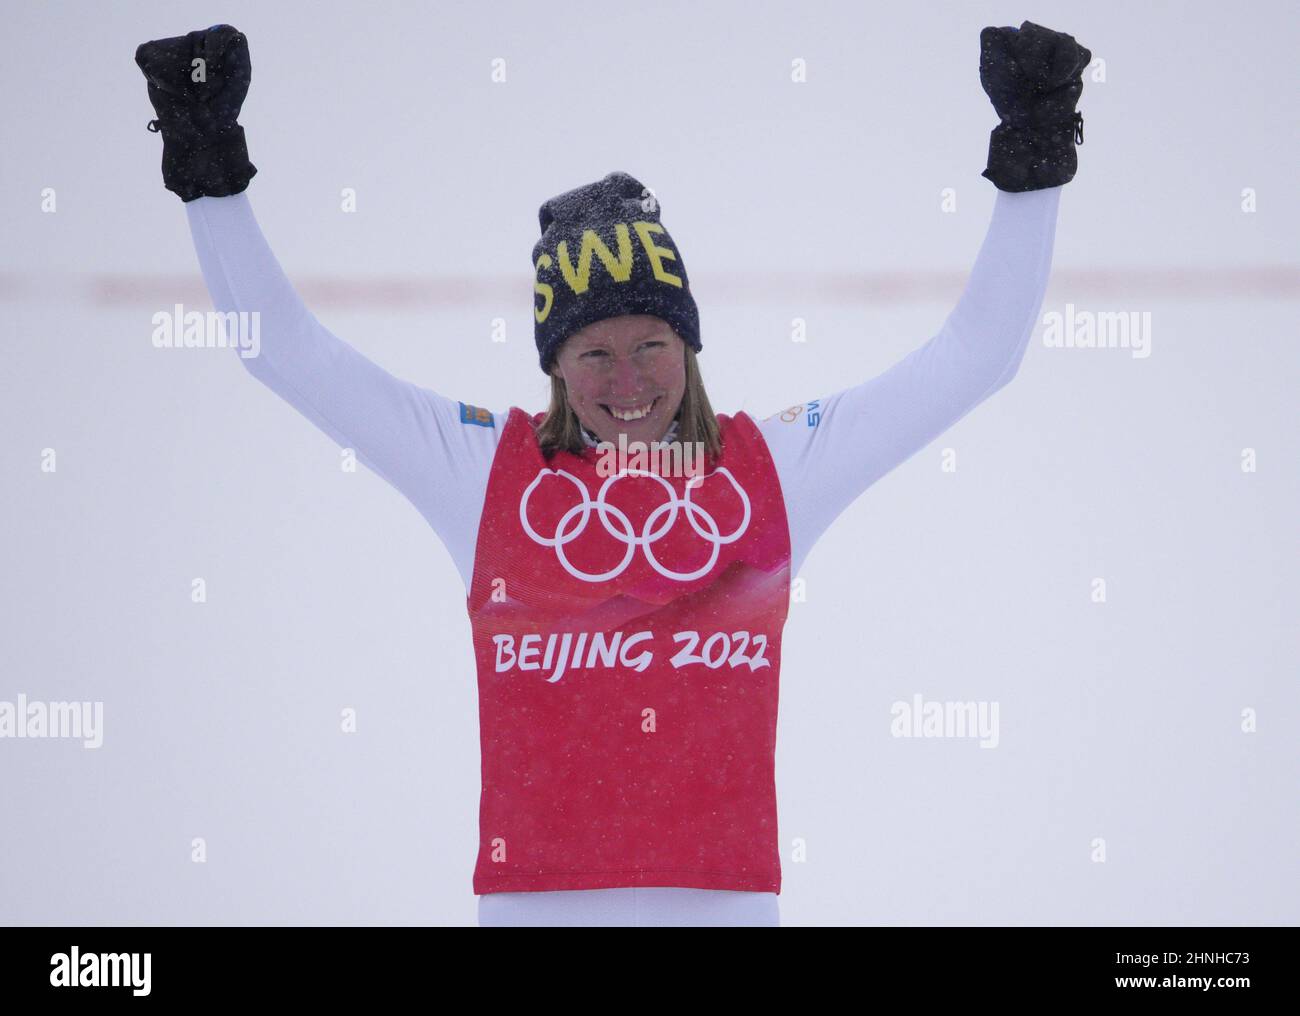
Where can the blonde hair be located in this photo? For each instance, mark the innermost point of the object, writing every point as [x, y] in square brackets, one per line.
[560, 429]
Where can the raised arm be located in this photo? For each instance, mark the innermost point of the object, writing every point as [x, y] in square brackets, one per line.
[412, 437]
[828, 452]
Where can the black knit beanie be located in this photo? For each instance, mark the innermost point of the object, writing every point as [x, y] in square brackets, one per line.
[604, 253]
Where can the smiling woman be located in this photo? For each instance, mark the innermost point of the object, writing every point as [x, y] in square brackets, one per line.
[616, 332]
[630, 375]
[626, 787]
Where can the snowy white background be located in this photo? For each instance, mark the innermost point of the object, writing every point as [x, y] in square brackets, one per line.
[326, 590]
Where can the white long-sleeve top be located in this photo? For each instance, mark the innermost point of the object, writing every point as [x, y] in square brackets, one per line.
[826, 456]
[414, 438]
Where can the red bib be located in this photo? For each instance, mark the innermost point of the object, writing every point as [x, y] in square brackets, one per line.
[627, 632]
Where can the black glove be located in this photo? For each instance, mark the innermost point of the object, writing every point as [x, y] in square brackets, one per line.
[1033, 76]
[203, 147]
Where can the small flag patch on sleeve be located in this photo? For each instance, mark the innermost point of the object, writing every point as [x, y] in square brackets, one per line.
[476, 415]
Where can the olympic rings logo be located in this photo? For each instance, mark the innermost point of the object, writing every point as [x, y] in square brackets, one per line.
[574, 521]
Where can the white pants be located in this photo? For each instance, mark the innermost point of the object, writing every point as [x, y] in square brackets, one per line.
[650, 907]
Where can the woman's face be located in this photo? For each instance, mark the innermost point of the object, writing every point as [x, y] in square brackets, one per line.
[624, 375]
